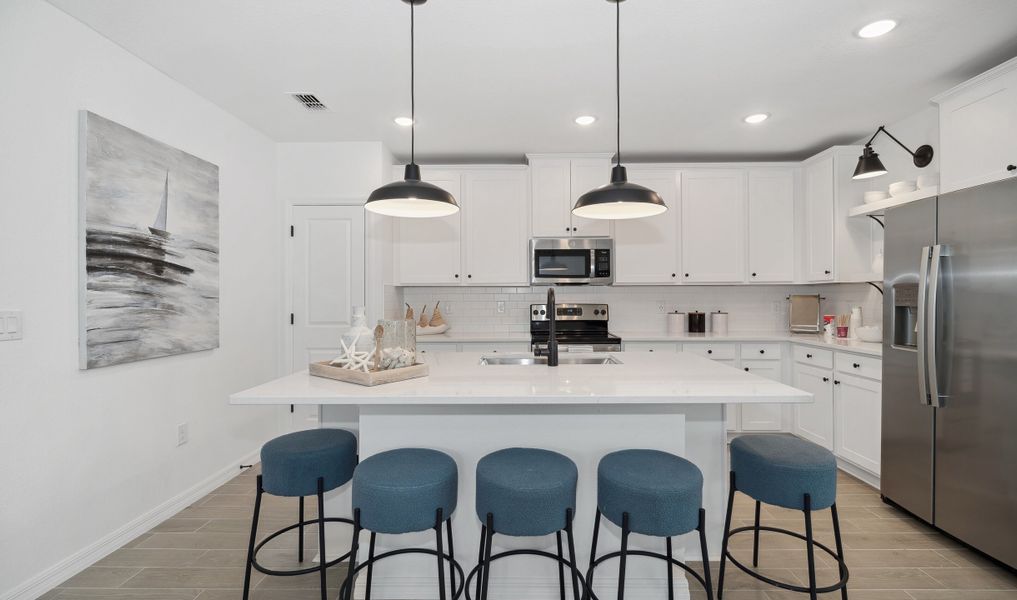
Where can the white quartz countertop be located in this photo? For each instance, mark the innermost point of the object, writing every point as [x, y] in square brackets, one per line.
[809, 339]
[458, 378]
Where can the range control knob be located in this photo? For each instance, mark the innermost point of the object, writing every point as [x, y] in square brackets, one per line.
[536, 312]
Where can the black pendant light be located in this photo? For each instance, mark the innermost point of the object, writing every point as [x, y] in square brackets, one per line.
[870, 166]
[619, 199]
[412, 197]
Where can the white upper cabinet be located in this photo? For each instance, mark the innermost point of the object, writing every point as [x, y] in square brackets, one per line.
[978, 129]
[556, 182]
[646, 250]
[713, 226]
[496, 217]
[837, 247]
[428, 250]
[771, 225]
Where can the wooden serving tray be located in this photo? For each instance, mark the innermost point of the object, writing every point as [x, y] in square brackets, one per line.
[372, 378]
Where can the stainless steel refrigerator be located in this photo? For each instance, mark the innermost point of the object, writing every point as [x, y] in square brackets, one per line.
[949, 452]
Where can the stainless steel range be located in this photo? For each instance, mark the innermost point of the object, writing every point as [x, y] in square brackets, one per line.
[579, 328]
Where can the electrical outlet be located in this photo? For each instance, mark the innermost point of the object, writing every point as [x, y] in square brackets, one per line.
[446, 308]
[182, 434]
[661, 308]
[11, 324]
[501, 307]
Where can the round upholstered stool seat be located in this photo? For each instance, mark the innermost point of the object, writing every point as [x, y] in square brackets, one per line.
[652, 493]
[398, 491]
[304, 463]
[405, 491]
[779, 470]
[291, 464]
[528, 490]
[793, 473]
[661, 492]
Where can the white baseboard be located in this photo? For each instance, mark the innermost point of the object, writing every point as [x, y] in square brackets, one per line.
[864, 475]
[79, 561]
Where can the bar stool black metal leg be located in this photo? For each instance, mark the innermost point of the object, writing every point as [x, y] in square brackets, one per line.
[670, 571]
[441, 555]
[370, 565]
[561, 567]
[809, 550]
[622, 555]
[593, 556]
[254, 537]
[727, 534]
[346, 590]
[487, 555]
[840, 548]
[322, 556]
[480, 560]
[572, 553]
[705, 553]
[755, 537]
[300, 533]
[451, 555]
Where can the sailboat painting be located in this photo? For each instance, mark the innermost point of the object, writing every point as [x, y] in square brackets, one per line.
[149, 224]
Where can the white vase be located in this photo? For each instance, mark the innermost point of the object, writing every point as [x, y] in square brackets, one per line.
[359, 336]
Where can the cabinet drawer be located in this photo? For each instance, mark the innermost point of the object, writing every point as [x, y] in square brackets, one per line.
[432, 347]
[863, 366]
[755, 351]
[495, 348]
[814, 356]
[650, 347]
[714, 351]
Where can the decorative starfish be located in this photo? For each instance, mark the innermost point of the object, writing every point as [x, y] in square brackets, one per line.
[350, 358]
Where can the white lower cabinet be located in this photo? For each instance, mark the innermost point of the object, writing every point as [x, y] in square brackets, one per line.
[857, 420]
[762, 417]
[814, 422]
[846, 415]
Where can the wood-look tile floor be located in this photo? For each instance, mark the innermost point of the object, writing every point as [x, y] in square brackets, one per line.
[199, 555]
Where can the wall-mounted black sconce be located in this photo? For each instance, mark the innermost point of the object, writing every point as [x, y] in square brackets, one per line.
[869, 164]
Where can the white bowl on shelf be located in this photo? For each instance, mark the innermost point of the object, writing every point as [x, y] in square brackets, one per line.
[870, 333]
[928, 180]
[875, 196]
[903, 187]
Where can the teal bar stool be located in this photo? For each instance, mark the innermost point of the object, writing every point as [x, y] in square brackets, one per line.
[405, 491]
[789, 472]
[652, 493]
[304, 463]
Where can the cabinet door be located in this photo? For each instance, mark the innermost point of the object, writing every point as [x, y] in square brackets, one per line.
[814, 422]
[646, 250]
[771, 225]
[713, 226]
[762, 417]
[587, 174]
[550, 197]
[978, 134]
[495, 234]
[855, 238]
[857, 420]
[427, 250]
[819, 219]
[651, 347]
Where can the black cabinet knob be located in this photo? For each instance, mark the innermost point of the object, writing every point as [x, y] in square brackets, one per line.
[686, 274]
[836, 382]
[826, 272]
[753, 274]
[575, 229]
[762, 351]
[651, 349]
[457, 275]
[469, 276]
[826, 379]
[709, 351]
[856, 365]
[808, 356]
[568, 229]
[1011, 167]
[746, 369]
[674, 275]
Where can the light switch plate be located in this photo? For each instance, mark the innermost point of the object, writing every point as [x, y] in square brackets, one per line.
[11, 325]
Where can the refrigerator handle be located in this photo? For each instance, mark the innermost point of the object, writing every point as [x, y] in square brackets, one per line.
[931, 333]
[923, 286]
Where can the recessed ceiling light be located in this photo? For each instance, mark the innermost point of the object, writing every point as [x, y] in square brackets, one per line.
[403, 121]
[585, 120]
[877, 28]
[756, 118]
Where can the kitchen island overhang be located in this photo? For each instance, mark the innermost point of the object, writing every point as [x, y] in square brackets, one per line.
[670, 402]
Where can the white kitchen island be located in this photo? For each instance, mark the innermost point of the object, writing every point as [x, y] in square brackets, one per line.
[670, 402]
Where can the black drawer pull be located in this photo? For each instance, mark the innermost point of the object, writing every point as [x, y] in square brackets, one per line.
[826, 379]
[856, 365]
[1011, 167]
[808, 356]
[826, 272]
[836, 382]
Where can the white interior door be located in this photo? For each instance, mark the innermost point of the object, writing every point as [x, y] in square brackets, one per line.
[327, 278]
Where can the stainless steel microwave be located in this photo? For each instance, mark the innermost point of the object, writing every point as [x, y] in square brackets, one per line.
[571, 261]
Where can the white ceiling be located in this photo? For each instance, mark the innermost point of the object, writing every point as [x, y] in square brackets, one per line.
[497, 79]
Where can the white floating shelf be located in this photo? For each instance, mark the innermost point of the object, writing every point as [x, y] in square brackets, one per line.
[878, 209]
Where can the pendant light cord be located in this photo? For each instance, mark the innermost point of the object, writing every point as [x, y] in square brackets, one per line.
[617, 76]
[413, 87]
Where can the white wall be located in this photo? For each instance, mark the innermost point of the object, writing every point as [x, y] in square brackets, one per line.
[85, 454]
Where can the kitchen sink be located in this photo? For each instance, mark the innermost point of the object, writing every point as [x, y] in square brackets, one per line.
[542, 360]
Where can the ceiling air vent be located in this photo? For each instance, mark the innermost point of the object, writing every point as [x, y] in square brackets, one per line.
[310, 101]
